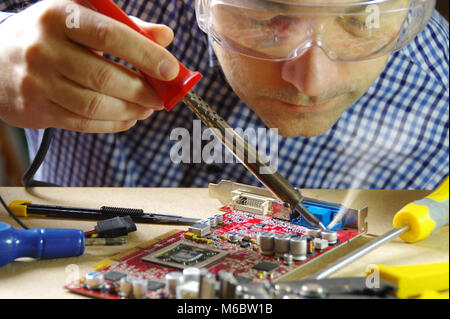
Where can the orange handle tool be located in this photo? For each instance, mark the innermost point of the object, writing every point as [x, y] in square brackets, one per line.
[171, 92]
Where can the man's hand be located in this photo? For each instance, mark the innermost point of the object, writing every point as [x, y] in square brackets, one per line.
[51, 74]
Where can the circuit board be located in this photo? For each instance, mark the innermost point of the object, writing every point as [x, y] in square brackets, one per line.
[232, 245]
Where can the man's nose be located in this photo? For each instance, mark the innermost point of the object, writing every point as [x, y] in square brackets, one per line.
[311, 73]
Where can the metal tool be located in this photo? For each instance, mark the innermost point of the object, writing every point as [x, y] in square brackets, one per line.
[24, 208]
[171, 92]
[414, 222]
[251, 158]
[390, 282]
[393, 282]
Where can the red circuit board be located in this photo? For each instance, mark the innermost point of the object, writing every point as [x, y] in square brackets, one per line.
[238, 260]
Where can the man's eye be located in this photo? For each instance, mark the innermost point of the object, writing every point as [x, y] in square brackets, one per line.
[354, 25]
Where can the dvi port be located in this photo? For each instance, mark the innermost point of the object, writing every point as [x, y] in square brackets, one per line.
[252, 203]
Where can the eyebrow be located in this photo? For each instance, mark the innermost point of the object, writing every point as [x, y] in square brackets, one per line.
[283, 7]
[267, 4]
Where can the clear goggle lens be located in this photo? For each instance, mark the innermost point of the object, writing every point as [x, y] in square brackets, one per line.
[282, 30]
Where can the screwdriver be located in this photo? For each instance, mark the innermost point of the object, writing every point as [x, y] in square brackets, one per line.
[414, 222]
[41, 243]
[179, 89]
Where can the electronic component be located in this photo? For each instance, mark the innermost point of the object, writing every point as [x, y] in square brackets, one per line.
[242, 279]
[153, 285]
[297, 248]
[330, 236]
[314, 232]
[111, 287]
[324, 211]
[233, 237]
[219, 219]
[158, 260]
[173, 280]
[94, 280]
[281, 244]
[227, 285]
[113, 276]
[245, 244]
[191, 274]
[125, 287]
[212, 222]
[320, 244]
[227, 191]
[89, 241]
[265, 266]
[139, 288]
[200, 230]
[251, 203]
[115, 227]
[188, 290]
[310, 247]
[288, 259]
[181, 255]
[267, 243]
[207, 285]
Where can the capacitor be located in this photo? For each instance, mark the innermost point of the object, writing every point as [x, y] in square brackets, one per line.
[219, 219]
[297, 247]
[266, 243]
[314, 232]
[94, 280]
[227, 285]
[188, 290]
[281, 245]
[173, 280]
[125, 287]
[191, 274]
[212, 222]
[140, 288]
[207, 285]
[288, 259]
[233, 237]
[330, 236]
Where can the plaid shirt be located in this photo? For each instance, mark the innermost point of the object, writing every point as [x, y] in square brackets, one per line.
[396, 136]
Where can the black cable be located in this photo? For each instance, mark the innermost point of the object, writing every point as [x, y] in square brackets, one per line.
[12, 214]
[27, 178]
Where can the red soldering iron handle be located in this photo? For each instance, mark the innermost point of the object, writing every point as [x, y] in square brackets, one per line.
[171, 92]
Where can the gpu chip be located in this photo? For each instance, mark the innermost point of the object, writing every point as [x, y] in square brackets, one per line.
[182, 255]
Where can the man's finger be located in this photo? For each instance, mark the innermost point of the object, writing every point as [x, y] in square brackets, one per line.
[104, 34]
[59, 117]
[105, 76]
[159, 32]
[90, 104]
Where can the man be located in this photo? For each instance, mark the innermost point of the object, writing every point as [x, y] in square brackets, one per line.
[350, 113]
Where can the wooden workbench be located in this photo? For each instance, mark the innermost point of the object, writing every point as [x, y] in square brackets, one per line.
[28, 278]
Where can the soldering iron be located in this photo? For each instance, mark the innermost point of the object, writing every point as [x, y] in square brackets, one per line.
[179, 89]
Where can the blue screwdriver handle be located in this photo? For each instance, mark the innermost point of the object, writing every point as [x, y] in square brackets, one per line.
[40, 243]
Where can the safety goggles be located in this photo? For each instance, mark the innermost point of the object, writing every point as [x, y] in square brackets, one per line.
[280, 30]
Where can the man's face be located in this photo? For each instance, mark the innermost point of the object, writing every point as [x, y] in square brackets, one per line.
[304, 96]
